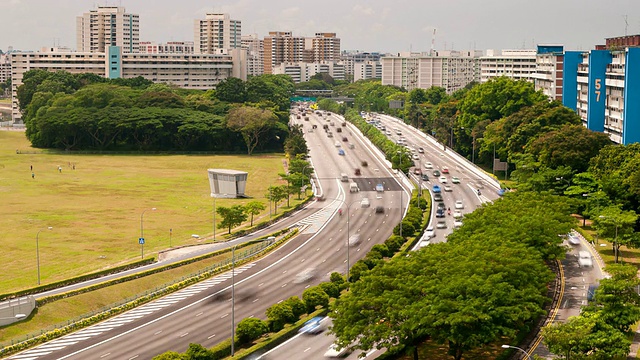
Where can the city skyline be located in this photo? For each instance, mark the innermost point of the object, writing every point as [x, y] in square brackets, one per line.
[371, 25]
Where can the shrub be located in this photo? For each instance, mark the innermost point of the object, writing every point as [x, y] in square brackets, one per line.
[331, 289]
[297, 306]
[381, 249]
[313, 297]
[372, 259]
[250, 329]
[358, 270]
[394, 243]
[279, 315]
[407, 229]
[337, 278]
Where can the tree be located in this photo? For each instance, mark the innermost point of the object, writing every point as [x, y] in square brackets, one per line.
[276, 194]
[279, 315]
[297, 306]
[250, 329]
[231, 216]
[231, 90]
[314, 297]
[252, 123]
[619, 225]
[295, 143]
[198, 352]
[169, 355]
[254, 208]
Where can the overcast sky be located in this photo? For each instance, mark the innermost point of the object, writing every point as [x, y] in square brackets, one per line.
[371, 25]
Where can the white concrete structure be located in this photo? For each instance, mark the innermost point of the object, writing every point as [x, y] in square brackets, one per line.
[107, 26]
[449, 69]
[255, 54]
[215, 32]
[367, 70]
[227, 183]
[303, 71]
[171, 47]
[514, 64]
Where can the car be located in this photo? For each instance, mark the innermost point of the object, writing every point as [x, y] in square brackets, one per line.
[443, 179]
[447, 188]
[425, 177]
[441, 225]
[424, 243]
[438, 197]
[356, 171]
[365, 203]
[501, 192]
[445, 170]
[459, 204]
[341, 152]
[379, 209]
[457, 223]
[416, 157]
[329, 134]
[584, 259]
[417, 171]
[573, 239]
[351, 146]
[421, 150]
[314, 326]
[457, 214]
[442, 206]
[354, 239]
[344, 139]
[430, 232]
[364, 163]
[380, 188]
[338, 144]
[455, 180]
[436, 173]
[428, 165]
[304, 276]
[436, 189]
[440, 213]
[388, 133]
[339, 130]
[334, 351]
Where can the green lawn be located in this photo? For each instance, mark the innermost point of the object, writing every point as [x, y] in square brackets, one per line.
[95, 209]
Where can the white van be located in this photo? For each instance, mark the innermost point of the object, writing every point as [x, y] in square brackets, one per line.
[365, 203]
[344, 177]
[353, 187]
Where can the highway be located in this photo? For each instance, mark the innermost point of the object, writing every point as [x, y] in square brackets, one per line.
[201, 313]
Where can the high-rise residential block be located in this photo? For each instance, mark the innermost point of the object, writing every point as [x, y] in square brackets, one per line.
[217, 33]
[515, 64]
[255, 54]
[107, 26]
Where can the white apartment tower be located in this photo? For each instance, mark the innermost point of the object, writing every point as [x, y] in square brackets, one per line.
[255, 54]
[108, 26]
[217, 33]
[515, 64]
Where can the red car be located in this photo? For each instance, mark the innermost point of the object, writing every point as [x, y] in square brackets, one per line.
[445, 170]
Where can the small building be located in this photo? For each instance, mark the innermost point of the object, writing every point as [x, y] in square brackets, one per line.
[226, 183]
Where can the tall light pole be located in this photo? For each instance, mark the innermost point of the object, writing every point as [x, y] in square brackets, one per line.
[214, 218]
[615, 239]
[233, 289]
[38, 250]
[584, 218]
[141, 240]
[517, 348]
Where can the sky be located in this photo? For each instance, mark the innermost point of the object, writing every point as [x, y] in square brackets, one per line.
[372, 25]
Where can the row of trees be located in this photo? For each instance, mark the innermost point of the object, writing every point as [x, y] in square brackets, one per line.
[84, 111]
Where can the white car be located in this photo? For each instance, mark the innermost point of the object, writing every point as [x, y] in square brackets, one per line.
[338, 144]
[428, 165]
[416, 157]
[443, 179]
[424, 243]
[333, 351]
[459, 204]
[584, 259]
[457, 214]
[305, 275]
[441, 225]
[354, 239]
[573, 239]
[447, 188]
[457, 223]
[430, 232]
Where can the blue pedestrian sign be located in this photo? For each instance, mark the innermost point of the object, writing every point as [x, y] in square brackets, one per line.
[141, 241]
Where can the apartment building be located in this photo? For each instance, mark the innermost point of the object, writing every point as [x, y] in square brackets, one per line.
[107, 26]
[281, 47]
[5, 67]
[189, 71]
[449, 69]
[549, 75]
[367, 70]
[325, 47]
[514, 64]
[351, 58]
[217, 32]
[171, 47]
[304, 71]
[255, 54]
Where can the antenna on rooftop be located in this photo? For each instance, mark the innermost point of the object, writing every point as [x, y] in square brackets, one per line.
[433, 42]
[626, 24]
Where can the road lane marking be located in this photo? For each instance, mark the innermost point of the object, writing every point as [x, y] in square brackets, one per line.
[224, 316]
[212, 336]
[134, 357]
[157, 332]
[198, 314]
[185, 334]
[105, 355]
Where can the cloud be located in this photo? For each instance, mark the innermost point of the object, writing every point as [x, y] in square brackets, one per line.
[362, 10]
[291, 12]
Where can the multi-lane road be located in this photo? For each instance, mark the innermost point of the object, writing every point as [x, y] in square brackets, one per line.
[202, 313]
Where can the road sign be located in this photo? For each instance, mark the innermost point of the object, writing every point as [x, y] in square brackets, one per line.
[141, 241]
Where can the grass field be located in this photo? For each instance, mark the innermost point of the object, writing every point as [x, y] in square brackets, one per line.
[95, 209]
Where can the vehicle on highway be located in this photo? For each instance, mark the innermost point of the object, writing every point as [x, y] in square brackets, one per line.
[459, 204]
[353, 187]
[356, 171]
[416, 157]
[441, 206]
[333, 351]
[344, 177]
[448, 188]
[430, 232]
[457, 223]
[329, 134]
[314, 326]
[339, 130]
[584, 259]
[338, 144]
[380, 188]
[351, 146]
[438, 197]
[365, 203]
[441, 225]
[428, 165]
[455, 180]
[436, 173]
[457, 214]
[445, 170]
[436, 189]
[417, 171]
[424, 243]
[421, 150]
[425, 177]
[364, 163]
[354, 239]
[344, 139]
[440, 213]
[379, 209]
[443, 179]
[573, 239]
[341, 152]
[304, 276]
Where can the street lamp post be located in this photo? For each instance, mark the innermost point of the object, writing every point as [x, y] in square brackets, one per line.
[517, 348]
[141, 240]
[214, 218]
[38, 250]
[233, 290]
[584, 218]
[615, 239]
[401, 153]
